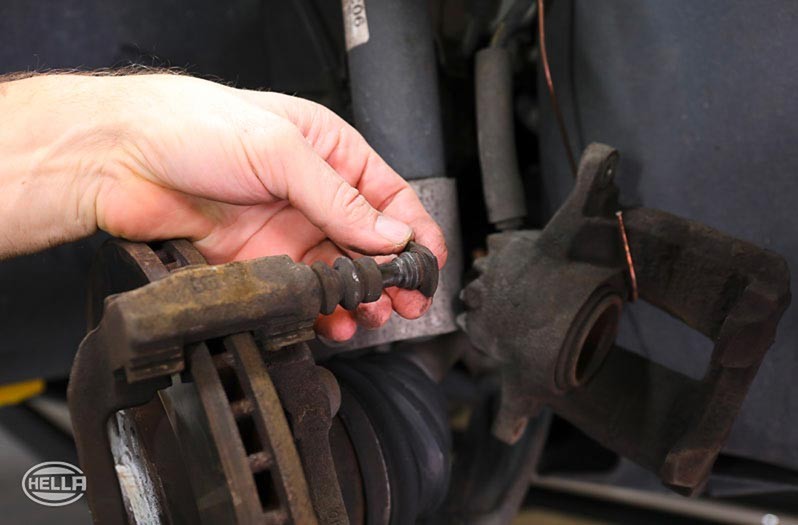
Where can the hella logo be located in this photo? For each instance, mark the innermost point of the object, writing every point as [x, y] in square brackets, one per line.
[54, 483]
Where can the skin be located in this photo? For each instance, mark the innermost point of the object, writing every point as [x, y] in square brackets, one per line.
[242, 174]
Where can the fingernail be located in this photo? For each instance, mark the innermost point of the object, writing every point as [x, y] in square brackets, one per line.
[393, 230]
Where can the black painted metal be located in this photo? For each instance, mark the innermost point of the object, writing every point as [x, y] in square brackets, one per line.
[501, 180]
[394, 84]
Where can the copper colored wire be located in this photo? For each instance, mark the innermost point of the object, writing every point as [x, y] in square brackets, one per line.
[629, 262]
[550, 84]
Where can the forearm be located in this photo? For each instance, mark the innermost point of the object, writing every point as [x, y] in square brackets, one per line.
[54, 142]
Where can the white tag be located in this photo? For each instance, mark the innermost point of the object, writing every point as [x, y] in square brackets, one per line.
[356, 25]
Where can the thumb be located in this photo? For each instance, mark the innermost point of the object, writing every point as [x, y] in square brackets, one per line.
[312, 186]
[353, 223]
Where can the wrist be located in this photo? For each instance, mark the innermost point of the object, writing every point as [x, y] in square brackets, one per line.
[58, 136]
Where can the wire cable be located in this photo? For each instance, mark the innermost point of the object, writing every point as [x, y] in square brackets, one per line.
[550, 85]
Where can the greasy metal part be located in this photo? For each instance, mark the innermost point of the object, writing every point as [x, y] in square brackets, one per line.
[273, 428]
[246, 457]
[137, 347]
[394, 83]
[311, 398]
[414, 269]
[439, 197]
[93, 398]
[501, 180]
[222, 428]
[352, 282]
[190, 471]
[118, 267]
[273, 294]
[97, 391]
[547, 306]
[197, 303]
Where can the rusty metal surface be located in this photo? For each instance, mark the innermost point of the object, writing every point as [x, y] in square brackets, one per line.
[547, 305]
[191, 472]
[146, 333]
[311, 398]
[96, 393]
[201, 302]
[273, 294]
[272, 456]
[233, 454]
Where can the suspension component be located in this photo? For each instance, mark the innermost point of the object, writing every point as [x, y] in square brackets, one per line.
[553, 329]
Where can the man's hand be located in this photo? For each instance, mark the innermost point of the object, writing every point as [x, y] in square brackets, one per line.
[242, 174]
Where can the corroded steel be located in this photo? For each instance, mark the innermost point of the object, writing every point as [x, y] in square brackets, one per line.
[547, 306]
[146, 333]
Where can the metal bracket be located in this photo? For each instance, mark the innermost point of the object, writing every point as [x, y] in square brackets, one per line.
[151, 305]
[547, 307]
